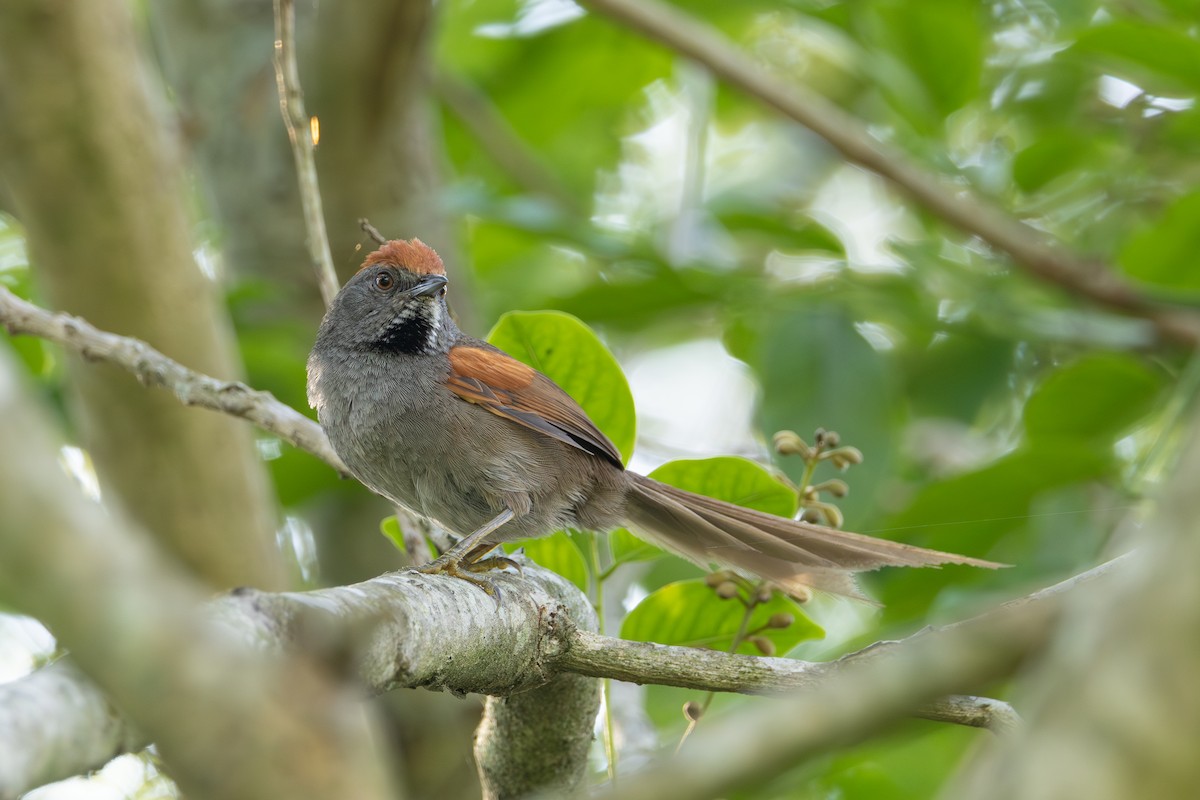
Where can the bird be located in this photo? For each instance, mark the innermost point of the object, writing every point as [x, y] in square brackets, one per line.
[458, 431]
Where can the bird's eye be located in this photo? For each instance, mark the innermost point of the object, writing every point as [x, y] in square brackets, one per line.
[384, 281]
[442, 291]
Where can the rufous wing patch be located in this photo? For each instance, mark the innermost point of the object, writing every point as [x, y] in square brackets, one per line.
[496, 381]
[496, 369]
[412, 255]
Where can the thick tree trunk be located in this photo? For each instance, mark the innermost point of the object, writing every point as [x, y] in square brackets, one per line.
[100, 192]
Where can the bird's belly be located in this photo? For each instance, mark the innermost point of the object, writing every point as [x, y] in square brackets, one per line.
[416, 460]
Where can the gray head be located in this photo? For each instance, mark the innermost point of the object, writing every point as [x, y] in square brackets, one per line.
[394, 304]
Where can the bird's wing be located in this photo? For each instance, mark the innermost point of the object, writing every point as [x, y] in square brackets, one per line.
[492, 379]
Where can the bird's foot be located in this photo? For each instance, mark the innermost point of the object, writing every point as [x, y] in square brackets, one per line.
[471, 571]
[495, 562]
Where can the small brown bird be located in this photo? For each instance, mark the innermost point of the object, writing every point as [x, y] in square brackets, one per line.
[458, 431]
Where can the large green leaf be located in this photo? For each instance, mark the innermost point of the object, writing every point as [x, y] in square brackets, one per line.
[627, 547]
[1098, 396]
[1052, 155]
[690, 613]
[941, 42]
[571, 355]
[559, 553]
[955, 374]
[1167, 252]
[732, 479]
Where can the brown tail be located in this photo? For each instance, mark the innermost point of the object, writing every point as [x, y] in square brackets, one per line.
[791, 554]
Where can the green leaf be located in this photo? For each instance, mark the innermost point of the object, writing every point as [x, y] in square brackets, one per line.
[571, 355]
[732, 479]
[570, 119]
[1051, 156]
[690, 613]
[558, 553]
[1166, 59]
[977, 512]
[1098, 396]
[390, 528]
[941, 42]
[14, 276]
[956, 373]
[627, 547]
[1167, 252]
[802, 234]
[966, 512]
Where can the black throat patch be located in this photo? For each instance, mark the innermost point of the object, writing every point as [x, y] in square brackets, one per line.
[410, 334]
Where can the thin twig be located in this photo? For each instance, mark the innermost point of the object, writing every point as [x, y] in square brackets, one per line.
[291, 105]
[153, 368]
[372, 231]
[1038, 253]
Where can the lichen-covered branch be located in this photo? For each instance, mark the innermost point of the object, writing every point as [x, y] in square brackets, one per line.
[713, 671]
[223, 715]
[54, 724]
[414, 630]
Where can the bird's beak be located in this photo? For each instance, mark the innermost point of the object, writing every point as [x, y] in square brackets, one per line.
[428, 286]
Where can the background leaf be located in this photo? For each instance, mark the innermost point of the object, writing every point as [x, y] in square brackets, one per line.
[1097, 397]
[690, 613]
[1165, 252]
[559, 553]
[732, 479]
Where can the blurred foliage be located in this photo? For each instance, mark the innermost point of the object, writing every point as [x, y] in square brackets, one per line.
[999, 417]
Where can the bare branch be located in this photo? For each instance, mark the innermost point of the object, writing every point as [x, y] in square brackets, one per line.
[1035, 251]
[291, 104]
[372, 231]
[153, 368]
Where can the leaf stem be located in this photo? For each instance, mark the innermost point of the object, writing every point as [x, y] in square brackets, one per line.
[599, 575]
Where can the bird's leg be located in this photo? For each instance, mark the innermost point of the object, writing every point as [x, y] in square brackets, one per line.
[475, 562]
[462, 560]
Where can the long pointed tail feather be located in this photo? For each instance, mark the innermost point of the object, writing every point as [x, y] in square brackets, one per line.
[790, 553]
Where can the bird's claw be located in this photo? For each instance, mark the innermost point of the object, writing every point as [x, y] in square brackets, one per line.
[470, 571]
